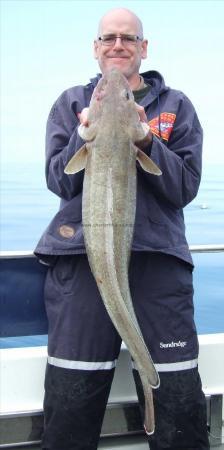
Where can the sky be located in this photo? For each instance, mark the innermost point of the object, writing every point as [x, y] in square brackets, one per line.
[47, 46]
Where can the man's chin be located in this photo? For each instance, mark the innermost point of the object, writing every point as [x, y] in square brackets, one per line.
[119, 64]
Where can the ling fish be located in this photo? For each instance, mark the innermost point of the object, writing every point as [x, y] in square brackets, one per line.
[108, 211]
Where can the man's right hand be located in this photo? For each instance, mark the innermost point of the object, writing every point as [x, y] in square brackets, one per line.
[83, 117]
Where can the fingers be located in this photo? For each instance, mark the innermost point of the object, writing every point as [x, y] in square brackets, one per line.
[83, 117]
[141, 112]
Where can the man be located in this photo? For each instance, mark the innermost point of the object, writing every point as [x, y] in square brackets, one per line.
[83, 344]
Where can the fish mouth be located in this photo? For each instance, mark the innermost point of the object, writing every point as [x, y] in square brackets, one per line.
[110, 78]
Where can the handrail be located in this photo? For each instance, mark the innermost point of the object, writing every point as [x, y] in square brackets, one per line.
[16, 253]
[198, 248]
[208, 248]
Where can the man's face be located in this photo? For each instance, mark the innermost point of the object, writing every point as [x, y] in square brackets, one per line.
[122, 55]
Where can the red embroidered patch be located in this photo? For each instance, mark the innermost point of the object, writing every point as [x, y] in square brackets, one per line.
[166, 125]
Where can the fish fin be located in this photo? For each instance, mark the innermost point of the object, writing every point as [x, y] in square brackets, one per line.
[149, 432]
[146, 163]
[145, 127]
[77, 162]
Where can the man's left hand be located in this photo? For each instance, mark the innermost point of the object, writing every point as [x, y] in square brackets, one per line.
[147, 141]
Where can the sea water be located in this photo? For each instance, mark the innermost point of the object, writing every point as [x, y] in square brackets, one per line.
[27, 207]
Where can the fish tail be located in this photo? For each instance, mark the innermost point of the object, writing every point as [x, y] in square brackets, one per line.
[149, 416]
[149, 419]
[102, 263]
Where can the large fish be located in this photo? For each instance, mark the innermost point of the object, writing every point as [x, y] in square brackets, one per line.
[108, 210]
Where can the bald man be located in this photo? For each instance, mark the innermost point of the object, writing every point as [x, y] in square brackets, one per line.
[83, 344]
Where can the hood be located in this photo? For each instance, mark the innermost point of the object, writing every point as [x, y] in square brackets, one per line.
[156, 80]
[151, 77]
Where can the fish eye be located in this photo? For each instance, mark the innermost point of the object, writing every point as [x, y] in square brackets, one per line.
[125, 94]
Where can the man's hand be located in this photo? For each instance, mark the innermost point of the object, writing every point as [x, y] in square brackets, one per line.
[141, 112]
[83, 117]
[144, 143]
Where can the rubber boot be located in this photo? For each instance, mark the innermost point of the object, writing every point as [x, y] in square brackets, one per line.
[180, 412]
[74, 407]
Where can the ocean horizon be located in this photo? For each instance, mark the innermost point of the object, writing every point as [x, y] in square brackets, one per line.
[27, 207]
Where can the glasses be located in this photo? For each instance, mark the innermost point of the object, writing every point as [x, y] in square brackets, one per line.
[126, 39]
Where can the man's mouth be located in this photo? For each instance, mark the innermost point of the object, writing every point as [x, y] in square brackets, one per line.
[118, 57]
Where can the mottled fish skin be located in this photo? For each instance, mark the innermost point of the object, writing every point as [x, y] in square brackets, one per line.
[108, 211]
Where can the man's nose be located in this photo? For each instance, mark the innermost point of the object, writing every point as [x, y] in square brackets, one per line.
[118, 43]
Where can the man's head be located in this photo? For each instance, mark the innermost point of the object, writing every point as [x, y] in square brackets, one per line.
[120, 43]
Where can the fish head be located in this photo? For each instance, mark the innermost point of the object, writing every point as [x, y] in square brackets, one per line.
[113, 82]
[113, 95]
[113, 105]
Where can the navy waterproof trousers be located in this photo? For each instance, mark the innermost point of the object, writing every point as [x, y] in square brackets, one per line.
[84, 346]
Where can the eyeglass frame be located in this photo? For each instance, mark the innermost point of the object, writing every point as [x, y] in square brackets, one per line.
[122, 37]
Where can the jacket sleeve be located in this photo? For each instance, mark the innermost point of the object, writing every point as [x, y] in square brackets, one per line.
[179, 160]
[62, 141]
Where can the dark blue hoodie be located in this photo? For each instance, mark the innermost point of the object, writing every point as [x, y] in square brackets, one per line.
[176, 149]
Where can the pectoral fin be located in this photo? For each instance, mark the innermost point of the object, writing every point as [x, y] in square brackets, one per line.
[77, 162]
[147, 164]
[145, 127]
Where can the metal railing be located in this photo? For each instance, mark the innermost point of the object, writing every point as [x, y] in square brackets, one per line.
[208, 248]
[198, 248]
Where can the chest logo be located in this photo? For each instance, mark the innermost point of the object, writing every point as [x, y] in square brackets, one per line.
[164, 126]
[66, 231]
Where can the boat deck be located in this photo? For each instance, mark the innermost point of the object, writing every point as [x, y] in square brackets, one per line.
[21, 415]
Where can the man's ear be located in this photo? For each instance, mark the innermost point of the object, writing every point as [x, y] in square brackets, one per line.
[144, 48]
[95, 49]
